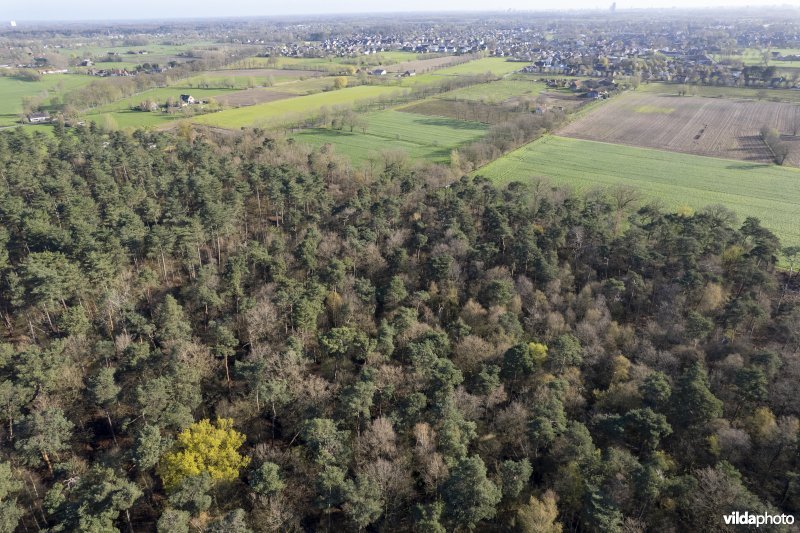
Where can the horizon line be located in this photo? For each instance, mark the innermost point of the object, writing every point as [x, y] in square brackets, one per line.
[509, 11]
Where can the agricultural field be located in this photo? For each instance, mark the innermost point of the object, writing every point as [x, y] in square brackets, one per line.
[422, 137]
[127, 120]
[292, 109]
[768, 192]
[13, 90]
[754, 56]
[156, 53]
[252, 97]
[306, 86]
[420, 65]
[331, 65]
[497, 66]
[715, 127]
[161, 95]
[473, 111]
[120, 115]
[496, 92]
[322, 64]
[708, 91]
[245, 78]
[480, 106]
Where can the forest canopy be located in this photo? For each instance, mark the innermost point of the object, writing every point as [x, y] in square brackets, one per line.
[238, 333]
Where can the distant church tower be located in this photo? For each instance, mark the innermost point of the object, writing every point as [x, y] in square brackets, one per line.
[613, 8]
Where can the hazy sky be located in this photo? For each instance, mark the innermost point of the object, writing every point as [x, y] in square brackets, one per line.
[160, 9]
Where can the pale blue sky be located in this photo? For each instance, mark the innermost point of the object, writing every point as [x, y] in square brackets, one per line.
[160, 9]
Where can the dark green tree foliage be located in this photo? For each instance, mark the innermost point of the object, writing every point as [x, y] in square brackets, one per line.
[96, 503]
[469, 495]
[429, 518]
[148, 447]
[266, 480]
[192, 495]
[655, 390]
[362, 501]
[171, 321]
[173, 521]
[233, 522]
[45, 434]
[10, 511]
[325, 443]
[692, 402]
[514, 476]
[400, 354]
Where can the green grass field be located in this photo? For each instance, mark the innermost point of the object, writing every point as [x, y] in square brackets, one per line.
[497, 66]
[497, 91]
[325, 64]
[754, 56]
[123, 117]
[160, 95]
[301, 63]
[292, 109]
[767, 192]
[421, 136]
[252, 78]
[156, 53]
[306, 86]
[13, 90]
[131, 119]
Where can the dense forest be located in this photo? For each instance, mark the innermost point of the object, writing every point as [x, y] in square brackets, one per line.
[242, 334]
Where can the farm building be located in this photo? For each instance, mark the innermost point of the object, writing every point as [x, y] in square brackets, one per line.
[38, 118]
[187, 99]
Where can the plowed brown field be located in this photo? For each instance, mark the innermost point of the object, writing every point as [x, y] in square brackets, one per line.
[705, 126]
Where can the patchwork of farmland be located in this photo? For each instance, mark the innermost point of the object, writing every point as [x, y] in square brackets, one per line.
[497, 66]
[120, 114]
[292, 109]
[244, 78]
[161, 95]
[422, 137]
[252, 97]
[497, 91]
[331, 65]
[712, 91]
[13, 90]
[768, 192]
[494, 102]
[473, 111]
[754, 56]
[704, 126]
[421, 65]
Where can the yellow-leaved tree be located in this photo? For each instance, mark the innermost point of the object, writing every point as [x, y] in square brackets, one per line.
[207, 448]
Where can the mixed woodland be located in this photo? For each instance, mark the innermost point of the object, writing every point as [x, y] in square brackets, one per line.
[206, 332]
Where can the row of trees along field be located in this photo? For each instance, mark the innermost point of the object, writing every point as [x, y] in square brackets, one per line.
[241, 334]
